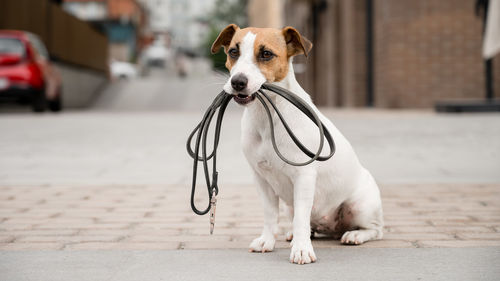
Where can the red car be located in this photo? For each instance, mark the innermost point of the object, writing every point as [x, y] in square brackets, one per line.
[26, 73]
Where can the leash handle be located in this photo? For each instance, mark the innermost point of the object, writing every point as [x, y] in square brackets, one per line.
[201, 131]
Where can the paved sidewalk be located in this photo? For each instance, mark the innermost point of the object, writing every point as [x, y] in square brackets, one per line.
[86, 188]
[96, 180]
[158, 217]
[349, 263]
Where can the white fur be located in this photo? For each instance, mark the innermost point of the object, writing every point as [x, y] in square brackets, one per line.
[313, 192]
[246, 65]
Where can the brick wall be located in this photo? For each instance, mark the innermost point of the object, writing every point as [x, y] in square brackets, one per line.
[335, 70]
[427, 50]
[123, 8]
[424, 51]
[352, 57]
[298, 15]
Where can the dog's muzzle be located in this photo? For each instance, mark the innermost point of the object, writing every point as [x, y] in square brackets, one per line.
[243, 99]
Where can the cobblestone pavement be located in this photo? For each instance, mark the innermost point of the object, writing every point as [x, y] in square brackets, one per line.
[158, 217]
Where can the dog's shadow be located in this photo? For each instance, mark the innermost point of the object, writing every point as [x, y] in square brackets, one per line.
[323, 240]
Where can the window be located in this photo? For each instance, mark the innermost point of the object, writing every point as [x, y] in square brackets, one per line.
[11, 46]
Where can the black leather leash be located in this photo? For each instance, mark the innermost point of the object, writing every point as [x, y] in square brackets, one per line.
[220, 104]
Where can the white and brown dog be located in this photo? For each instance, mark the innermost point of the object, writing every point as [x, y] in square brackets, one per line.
[337, 197]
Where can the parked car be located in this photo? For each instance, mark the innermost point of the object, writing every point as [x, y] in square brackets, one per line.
[123, 70]
[26, 73]
[157, 54]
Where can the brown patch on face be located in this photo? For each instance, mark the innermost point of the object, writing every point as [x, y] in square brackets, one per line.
[271, 40]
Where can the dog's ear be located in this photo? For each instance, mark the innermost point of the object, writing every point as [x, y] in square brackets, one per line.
[296, 44]
[224, 38]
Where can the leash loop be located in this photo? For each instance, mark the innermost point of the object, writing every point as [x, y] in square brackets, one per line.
[219, 106]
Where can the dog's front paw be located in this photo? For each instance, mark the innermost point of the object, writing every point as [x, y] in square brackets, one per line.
[262, 244]
[302, 252]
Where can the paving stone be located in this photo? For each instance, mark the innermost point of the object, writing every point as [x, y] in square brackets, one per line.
[181, 238]
[30, 246]
[459, 243]
[129, 223]
[68, 239]
[123, 246]
[479, 236]
[214, 245]
[6, 238]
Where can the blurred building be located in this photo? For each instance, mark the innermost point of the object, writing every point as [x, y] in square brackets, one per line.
[187, 24]
[123, 21]
[158, 14]
[87, 10]
[183, 20]
[266, 13]
[389, 53]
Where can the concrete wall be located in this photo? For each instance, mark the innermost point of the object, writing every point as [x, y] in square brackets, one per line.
[80, 85]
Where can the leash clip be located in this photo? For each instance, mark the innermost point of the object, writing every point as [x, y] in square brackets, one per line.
[213, 203]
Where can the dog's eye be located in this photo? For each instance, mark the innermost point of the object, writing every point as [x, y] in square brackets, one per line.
[234, 53]
[266, 55]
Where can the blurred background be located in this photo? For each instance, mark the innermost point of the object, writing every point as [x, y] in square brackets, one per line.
[367, 53]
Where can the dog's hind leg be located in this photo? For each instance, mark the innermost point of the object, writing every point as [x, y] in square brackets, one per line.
[367, 215]
[371, 229]
[289, 215]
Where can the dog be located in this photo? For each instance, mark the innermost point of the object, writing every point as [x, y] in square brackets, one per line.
[338, 197]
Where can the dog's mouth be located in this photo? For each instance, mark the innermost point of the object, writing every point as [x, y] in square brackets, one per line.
[243, 99]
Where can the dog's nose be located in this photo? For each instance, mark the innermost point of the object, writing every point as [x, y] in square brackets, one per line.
[239, 82]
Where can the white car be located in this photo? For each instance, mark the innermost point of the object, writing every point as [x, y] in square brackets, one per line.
[123, 70]
[156, 54]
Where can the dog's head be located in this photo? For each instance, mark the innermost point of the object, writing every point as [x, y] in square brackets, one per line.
[256, 56]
